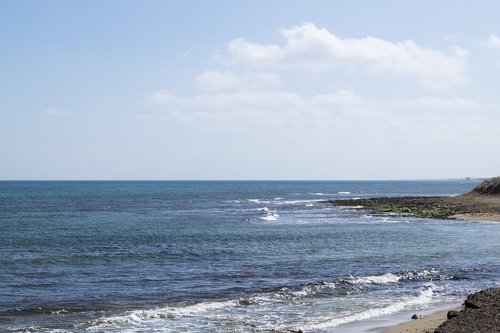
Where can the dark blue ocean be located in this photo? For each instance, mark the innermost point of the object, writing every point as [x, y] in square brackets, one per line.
[228, 256]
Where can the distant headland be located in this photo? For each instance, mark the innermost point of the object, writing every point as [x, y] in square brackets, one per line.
[480, 204]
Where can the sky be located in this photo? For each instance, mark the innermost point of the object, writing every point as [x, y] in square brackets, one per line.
[253, 90]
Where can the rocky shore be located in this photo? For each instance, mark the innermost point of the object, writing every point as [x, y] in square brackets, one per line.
[482, 203]
[481, 314]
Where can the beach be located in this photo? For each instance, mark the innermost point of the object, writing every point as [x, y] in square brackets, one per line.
[479, 313]
[423, 325]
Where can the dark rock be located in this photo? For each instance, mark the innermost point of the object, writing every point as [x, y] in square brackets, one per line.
[488, 187]
[417, 316]
[470, 305]
[452, 314]
[481, 315]
[245, 302]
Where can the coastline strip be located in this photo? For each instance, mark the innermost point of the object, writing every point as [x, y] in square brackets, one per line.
[426, 324]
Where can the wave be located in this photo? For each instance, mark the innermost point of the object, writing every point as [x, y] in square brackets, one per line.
[142, 317]
[294, 202]
[354, 208]
[259, 201]
[376, 279]
[43, 311]
[351, 284]
[424, 297]
[269, 215]
[426, 274]
[285, 300]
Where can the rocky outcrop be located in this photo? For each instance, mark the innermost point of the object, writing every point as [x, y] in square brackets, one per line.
[481, 314]
[482, 203]
[488, 187]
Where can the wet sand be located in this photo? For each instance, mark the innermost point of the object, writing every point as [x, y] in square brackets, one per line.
[426, 324]
[480, 314]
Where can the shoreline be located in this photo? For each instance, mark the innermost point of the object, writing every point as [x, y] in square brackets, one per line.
[401, 322]
[476, 217]
[469, 207]
[478, 313]
[480, 204]
[429, 323]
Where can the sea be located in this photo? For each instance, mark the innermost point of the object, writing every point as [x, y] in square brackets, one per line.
[229, 256]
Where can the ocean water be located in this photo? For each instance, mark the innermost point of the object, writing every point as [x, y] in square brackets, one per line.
[228, 256]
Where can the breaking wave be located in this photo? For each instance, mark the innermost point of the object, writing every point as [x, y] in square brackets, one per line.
[424, 297]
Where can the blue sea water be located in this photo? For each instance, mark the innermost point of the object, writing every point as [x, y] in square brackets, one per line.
[228, 256]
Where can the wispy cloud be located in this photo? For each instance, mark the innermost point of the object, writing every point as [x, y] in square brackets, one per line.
[276, 108]
[213, 81]
[493, 41]
[181, 57]
[54, 112]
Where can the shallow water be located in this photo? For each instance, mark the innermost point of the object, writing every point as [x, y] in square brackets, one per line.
[227, 256]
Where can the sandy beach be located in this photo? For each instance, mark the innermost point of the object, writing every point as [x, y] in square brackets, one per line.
[426, 324]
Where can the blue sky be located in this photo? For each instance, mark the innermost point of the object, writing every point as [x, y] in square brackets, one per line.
[249, 89]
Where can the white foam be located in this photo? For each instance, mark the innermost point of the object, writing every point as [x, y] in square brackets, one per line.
[143, 317]
[258, 201]
[313, 289]
[201, 307]
[375, 279]
[424, 297]
[270, 217]
[294, 202]
[421, 274]
[343, 192]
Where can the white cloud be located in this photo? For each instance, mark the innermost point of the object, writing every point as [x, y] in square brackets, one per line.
[239, 100]
[436, 103]
[340, 98]
[283, 108]
[56, 112]
[493, 42]
[334, 132]
[216, 81]
[308, 47]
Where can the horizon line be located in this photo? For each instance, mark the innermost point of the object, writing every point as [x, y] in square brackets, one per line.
[243, 180]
